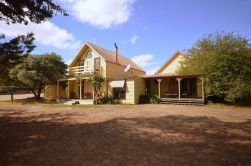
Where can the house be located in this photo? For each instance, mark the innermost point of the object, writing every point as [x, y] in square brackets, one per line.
[124, 80]
[120, 76]
[173, 87]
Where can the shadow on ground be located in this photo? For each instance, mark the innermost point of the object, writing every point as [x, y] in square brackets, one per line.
[171, 140]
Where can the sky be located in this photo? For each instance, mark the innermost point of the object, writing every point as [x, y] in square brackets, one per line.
[146, 31]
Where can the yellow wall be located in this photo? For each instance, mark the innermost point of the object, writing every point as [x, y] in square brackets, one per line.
[134, 88]
[50, 92]
[139, 89]
[172, 67]
[129, 92]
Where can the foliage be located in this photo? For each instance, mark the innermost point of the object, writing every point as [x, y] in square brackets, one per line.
[224, 59]
[14, 11]
[12, 52]
[148, 99]
[38, 70]
[96, 82]
[105, 100]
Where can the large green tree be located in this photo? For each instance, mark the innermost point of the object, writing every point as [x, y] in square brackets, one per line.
[16, 11]
[224, 59]
[12, 52]
[38, 70]
[25, 11]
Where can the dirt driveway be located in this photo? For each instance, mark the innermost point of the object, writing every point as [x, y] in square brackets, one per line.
[124, 135]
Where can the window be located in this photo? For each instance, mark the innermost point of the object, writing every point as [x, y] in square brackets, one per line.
[119, 89]
[96, 63]
[89, 54]
[119, 93]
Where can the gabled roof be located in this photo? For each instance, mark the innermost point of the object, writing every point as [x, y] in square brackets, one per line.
[109, 56]
[175, 55]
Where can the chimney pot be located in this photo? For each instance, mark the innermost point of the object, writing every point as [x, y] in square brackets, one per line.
[116, 52]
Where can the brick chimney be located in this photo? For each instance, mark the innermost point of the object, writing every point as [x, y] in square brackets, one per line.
[116, 52]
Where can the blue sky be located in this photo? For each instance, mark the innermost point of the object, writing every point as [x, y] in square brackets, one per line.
[148, 32]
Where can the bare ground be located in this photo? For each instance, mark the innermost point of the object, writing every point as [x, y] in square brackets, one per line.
[40, 134]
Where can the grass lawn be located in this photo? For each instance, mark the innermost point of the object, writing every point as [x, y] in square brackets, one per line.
[51, 134]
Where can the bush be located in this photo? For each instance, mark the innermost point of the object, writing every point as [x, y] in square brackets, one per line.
[148, 99]
[104, 100]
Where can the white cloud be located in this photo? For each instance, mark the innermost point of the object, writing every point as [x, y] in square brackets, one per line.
[144, 60]
[46, 33]
[134, 39]
[101, 14]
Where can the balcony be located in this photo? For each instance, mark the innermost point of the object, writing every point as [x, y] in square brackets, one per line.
[84, 70]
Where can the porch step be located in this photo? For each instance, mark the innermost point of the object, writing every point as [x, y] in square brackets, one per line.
[71, 102]
[182, 101]
[83, 102]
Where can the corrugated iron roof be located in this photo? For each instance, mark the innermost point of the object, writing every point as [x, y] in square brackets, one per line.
[111, 57]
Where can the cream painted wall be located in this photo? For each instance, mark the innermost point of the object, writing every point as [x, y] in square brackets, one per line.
[129, 92]
[172, 67]
[139, 89]
[90, 61]
[50, 92]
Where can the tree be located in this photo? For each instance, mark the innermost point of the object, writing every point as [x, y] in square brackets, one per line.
[96, 82]
[14, 11]
[224, 59]
[12, 52]
[38, 70]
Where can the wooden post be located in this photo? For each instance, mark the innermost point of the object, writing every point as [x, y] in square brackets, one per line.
[80, 89]
[11, 94]
[159, 80]
[106, 88]
[68, 89]
[57, 89]
[202, 88]
[93, 93]
[179, 79]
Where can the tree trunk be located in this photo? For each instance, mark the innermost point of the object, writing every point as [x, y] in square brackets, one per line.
[37, 95]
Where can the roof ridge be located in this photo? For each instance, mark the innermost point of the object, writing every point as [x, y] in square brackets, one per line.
[107, 50]
[114, 54]
[170, 60]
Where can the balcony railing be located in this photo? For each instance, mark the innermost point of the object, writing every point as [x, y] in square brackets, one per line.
[83, 70]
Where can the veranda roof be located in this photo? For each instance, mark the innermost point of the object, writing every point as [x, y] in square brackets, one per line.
[169, 76]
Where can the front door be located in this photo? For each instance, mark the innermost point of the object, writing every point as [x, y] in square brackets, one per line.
[172, 91]
[189, 87]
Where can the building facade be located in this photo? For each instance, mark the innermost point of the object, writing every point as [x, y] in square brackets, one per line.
[124, 80]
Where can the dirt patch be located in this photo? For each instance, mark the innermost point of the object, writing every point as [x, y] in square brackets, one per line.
[124, 135]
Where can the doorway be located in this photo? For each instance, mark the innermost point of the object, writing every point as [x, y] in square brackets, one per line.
[189, 87]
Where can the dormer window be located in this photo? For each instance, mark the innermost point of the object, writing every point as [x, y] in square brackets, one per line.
[89, 54]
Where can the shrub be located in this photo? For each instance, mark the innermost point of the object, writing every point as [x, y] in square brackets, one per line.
[104, 100]
[149, 99]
